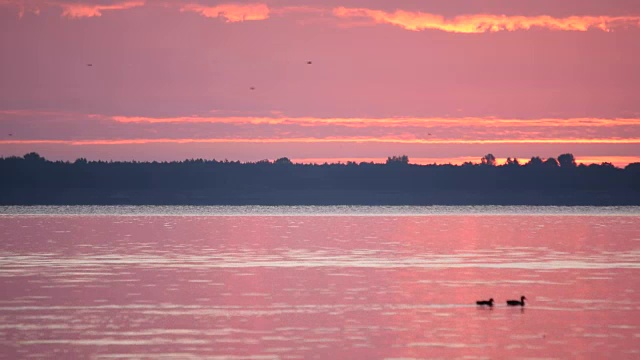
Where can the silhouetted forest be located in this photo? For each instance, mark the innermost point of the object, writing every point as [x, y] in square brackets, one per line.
[34, 180]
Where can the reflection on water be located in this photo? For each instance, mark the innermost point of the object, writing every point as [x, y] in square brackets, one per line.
[176, 284]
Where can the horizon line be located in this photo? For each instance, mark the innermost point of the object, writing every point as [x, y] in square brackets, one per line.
[617, 161]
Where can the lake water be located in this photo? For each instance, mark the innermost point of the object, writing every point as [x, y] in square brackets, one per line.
[319, 282]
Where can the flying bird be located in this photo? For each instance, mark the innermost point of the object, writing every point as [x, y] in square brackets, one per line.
[89, 64]
[10, 134]
[309, 63]
[252, 88]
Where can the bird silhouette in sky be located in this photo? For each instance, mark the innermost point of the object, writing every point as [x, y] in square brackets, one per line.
[309, 63]
[89, 64]
[252, 88]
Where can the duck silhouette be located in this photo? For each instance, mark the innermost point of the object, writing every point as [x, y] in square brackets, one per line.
[485, 302]
[516, 302]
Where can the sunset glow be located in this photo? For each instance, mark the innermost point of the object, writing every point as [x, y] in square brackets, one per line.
[320, 80]
[348, 179]
[620, 161]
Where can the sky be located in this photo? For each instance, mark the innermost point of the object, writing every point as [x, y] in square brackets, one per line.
[320, 80]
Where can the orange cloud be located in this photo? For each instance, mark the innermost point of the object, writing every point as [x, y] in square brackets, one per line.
[80, 10]
[353, 139]
[231, 12]
[390, 122]
[482, 23]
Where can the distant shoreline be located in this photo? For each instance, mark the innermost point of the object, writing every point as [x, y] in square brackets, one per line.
[33, 180]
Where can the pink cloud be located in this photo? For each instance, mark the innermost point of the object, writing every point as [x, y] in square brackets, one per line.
[231, 12]
[302, 9]
[482, 23]
[330, 139]
[48, 125]
[72, 10]
[22, 6]
[427, 122]
[409, 20]
[80, 10]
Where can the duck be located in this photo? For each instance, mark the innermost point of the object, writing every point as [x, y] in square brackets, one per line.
[485, 302]
[516, 302]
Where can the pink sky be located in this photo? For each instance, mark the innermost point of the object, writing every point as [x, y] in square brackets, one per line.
[442, 81]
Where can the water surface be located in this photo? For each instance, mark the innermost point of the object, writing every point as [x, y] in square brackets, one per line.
[318, 282]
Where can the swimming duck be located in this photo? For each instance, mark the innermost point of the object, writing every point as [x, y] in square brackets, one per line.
[485, 302]
[516, 302]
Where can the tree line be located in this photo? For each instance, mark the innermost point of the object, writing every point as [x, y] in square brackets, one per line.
[32, 179]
